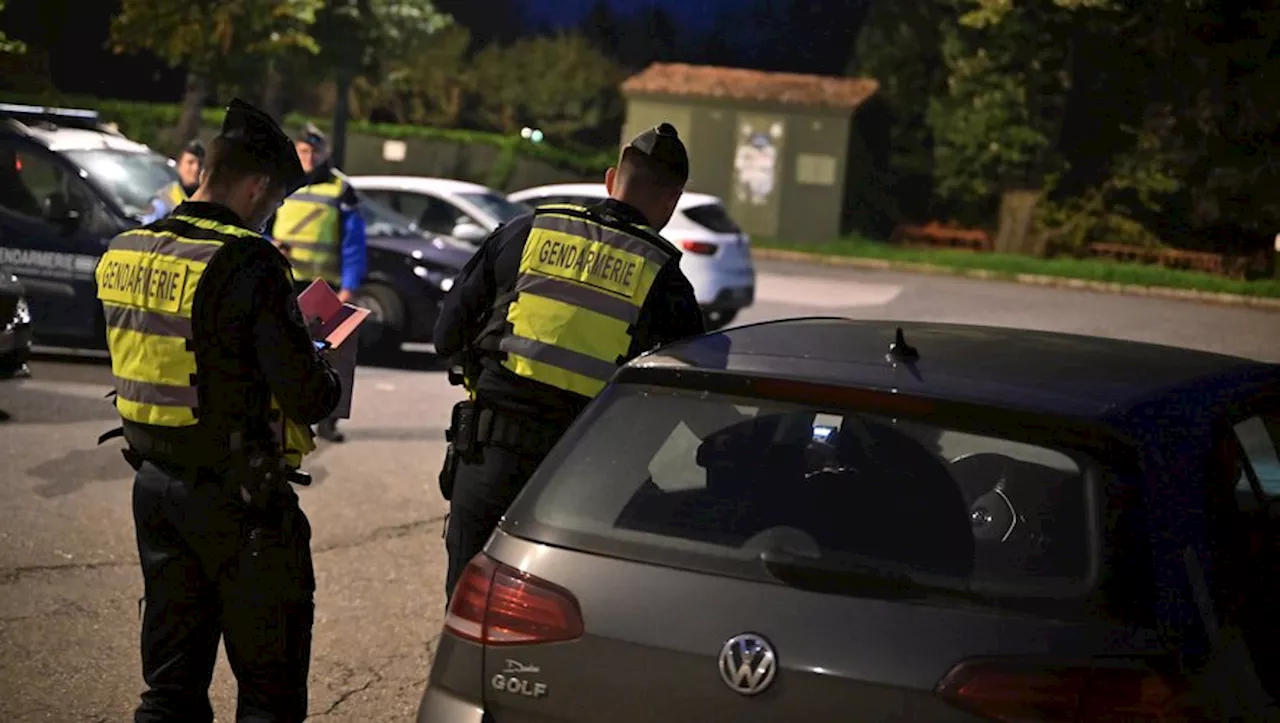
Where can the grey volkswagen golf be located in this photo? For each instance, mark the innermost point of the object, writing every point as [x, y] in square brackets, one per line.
[823, 519]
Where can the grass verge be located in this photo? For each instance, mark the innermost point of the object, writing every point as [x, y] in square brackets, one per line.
[1011, 266]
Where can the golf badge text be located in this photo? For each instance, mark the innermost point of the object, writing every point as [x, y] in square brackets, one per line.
[515, 679]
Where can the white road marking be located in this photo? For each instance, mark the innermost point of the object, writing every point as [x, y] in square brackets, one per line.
[823, 293]
[383, 387]
[69, 388]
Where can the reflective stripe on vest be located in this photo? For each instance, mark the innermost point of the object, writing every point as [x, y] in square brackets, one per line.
[309, 222]
[147, 282]
[581, 286]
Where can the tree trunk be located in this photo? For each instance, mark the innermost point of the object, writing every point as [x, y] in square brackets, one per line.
[341, 110]
[453, 107]
[273, 91]
[192, 104]
[1017, 234]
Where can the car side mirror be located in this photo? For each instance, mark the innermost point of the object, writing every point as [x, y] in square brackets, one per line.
[469, 232]
[58, 211]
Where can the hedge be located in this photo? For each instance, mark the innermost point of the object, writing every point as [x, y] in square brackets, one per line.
[147, 123]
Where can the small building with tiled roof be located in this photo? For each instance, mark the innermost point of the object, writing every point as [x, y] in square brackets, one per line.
[774, 146]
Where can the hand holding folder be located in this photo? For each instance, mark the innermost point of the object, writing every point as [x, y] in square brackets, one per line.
[333, 325]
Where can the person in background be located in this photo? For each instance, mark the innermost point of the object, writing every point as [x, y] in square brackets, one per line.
[321, 231]
[190, 166]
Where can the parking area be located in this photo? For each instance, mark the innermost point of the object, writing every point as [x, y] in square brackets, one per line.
[69, 584]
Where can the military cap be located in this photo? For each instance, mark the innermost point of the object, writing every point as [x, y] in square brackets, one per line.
[313, 136]
[264, 139]
[195, 148]
[662, 143]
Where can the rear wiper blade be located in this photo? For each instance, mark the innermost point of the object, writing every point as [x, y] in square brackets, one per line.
[848, 578]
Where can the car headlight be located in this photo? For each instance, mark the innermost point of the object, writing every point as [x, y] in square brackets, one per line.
[446, 284]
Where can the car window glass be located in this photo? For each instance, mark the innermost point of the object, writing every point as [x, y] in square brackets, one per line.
[1260, 441]
[664, 475]
[499, 207]
[431, 213]
[30, 180]
[130, 178]
[386, 198]
[410, 205]
[382, 222]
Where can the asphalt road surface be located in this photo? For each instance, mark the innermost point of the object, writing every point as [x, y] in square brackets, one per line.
[69, 581]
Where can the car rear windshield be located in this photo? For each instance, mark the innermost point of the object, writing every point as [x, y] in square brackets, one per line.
[707, 482]
[712, 217]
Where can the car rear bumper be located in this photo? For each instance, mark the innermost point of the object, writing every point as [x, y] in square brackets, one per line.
[725, 289]
[441, 706]
[731, 298]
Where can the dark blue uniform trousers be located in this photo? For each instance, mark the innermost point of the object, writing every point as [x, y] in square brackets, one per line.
[215, 569]
[482, 492]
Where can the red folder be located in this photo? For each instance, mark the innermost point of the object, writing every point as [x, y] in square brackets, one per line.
[330, 320]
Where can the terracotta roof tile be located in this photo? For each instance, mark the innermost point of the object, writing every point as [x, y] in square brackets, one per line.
[707, 81]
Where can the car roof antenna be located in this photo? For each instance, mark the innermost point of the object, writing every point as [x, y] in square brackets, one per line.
[901, 350]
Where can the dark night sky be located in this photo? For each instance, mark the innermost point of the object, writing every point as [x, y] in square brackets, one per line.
[74, 35]
[699, 14]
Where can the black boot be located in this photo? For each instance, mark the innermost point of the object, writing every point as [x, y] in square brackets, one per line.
[328, 430]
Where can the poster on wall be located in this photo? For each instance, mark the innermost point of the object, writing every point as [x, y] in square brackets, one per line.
[755, 162]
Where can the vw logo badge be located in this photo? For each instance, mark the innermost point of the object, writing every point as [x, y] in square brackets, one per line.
[748, 664]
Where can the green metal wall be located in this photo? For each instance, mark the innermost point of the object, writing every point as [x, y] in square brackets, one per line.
[781, 170]
[817, 171]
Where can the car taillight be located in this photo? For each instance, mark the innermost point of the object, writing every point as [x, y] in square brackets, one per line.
[1015, 692]
[495, 604]
[698, 247]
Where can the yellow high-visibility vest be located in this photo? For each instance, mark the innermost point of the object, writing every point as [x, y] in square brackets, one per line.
[310, 225]
[583, 281]
[147, 283]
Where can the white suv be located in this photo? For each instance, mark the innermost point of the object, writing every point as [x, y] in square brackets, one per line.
[717, 254]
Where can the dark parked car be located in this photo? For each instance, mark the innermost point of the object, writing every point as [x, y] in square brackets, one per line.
[821, 520]
[69, 184]
[15, 328]
[409, 273]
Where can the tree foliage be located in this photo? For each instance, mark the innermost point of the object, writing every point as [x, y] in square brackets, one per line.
[995, 126]
[7, 45]
[1131, 122]
[202, 34]
[560, 84]
[433, 83]
[900, 45]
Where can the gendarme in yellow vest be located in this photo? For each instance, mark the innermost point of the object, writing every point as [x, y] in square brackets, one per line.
[310, 224]
[583, 281]
[147, 283]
